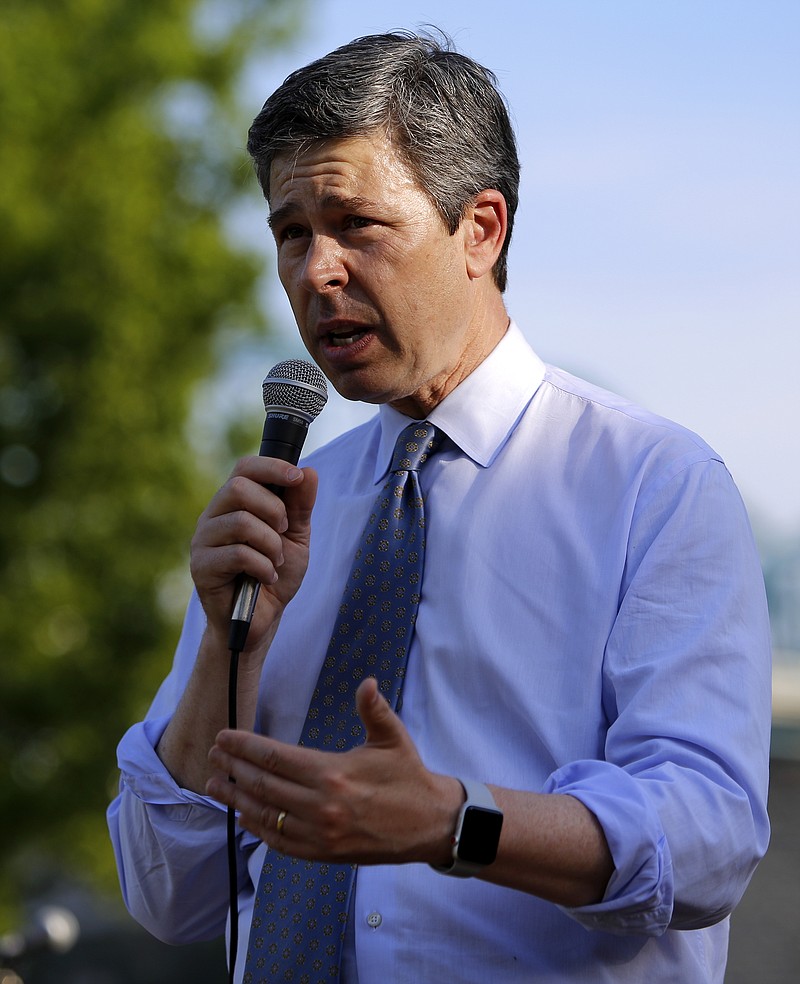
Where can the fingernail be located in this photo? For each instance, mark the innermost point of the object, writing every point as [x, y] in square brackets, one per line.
[292, 474]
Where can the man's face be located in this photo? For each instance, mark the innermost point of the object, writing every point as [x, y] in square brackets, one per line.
[381, 292]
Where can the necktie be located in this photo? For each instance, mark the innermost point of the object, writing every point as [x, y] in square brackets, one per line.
[300, 909]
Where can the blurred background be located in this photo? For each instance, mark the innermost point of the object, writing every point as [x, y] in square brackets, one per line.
[656, 252]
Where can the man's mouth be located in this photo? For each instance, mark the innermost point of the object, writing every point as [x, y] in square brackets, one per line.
[341, 335]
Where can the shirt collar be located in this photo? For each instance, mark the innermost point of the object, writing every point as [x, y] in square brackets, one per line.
[483, 410]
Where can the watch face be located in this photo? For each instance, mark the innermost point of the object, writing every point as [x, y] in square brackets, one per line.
[480, 835]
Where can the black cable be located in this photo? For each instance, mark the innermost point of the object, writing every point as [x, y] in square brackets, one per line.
[233, 880]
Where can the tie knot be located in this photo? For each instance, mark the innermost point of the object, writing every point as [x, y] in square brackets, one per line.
[414, 445]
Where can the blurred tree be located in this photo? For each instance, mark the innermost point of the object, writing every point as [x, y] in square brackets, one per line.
[120, 152]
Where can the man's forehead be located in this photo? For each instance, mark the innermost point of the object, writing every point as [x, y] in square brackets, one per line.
[346, 161]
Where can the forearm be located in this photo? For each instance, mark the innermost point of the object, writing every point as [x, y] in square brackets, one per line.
[379, 804]
[551, 846]
[203, 711]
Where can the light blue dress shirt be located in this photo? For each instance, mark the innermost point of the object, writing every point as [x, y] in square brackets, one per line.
[593, 622]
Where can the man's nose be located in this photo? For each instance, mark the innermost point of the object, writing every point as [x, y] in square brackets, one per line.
[324, 266]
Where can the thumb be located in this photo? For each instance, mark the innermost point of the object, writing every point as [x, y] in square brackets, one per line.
[299, 502]
[382, 725]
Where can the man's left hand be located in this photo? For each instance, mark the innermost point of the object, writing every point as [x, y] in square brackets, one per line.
[375, 804]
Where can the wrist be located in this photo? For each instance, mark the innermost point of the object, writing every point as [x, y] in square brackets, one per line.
[451, 798]
[217, 638]
[476, 835]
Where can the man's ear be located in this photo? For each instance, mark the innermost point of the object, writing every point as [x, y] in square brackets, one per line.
[484, 226]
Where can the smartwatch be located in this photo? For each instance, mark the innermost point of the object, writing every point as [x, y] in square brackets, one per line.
[477, 832]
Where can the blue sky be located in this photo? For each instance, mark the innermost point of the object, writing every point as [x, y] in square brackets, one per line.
[657, 245]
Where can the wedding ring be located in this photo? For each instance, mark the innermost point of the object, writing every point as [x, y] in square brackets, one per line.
[280, 821]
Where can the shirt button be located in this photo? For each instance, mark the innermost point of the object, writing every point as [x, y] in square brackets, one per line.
[374, 919]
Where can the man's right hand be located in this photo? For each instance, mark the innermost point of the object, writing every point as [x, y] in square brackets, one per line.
[248, 529]
[245, 529]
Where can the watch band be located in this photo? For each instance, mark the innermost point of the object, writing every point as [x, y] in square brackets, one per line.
[479, 803]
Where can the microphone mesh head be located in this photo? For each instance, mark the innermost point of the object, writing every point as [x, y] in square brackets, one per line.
[297, 386]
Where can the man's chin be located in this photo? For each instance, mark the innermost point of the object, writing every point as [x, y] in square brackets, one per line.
[355, 383]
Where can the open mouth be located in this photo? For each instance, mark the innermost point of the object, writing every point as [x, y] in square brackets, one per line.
[344, 337]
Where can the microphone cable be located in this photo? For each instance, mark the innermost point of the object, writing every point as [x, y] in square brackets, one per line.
[294, 393]
[233, 877]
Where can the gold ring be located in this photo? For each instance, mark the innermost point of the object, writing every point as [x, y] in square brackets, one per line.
[280, 821]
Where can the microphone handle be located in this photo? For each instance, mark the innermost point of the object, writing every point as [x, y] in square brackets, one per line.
[283, 437]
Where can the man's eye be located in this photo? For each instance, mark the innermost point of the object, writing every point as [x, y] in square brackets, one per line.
[359, 222]
[292, 232]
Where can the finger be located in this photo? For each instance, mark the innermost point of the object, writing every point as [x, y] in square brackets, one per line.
[293, 763]
[230, 545]
[265, 472]
[260, 818]
[382, 725]
[259, 799]
[239, 530]
[244, 513]
[287, 833]
[245, 493]
[243, 522]
[299, 503]
[283, 831]
[260, 786]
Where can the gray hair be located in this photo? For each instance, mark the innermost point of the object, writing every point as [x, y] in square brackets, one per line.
[442, 112]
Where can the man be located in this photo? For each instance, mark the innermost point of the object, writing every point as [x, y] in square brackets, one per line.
[590, 654]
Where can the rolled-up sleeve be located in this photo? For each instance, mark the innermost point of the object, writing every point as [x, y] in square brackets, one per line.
[681, 794]
[169, 842]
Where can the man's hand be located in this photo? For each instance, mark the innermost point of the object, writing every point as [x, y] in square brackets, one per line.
[378, 804]
[245, 529]
[374, 804]
[248, 529]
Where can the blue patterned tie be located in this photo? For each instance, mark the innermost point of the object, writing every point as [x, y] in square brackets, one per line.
[300, 909]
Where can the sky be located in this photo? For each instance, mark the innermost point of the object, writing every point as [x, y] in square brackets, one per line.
[656, 250]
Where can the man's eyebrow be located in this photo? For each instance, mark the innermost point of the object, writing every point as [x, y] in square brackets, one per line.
[279, 215]
[354, 203]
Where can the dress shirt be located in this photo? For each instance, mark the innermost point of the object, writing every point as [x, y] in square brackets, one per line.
[592, 622]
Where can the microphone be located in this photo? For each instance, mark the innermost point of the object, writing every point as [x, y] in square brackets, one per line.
[294, 394]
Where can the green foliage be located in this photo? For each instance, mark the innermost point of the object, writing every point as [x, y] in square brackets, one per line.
[120, 150]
